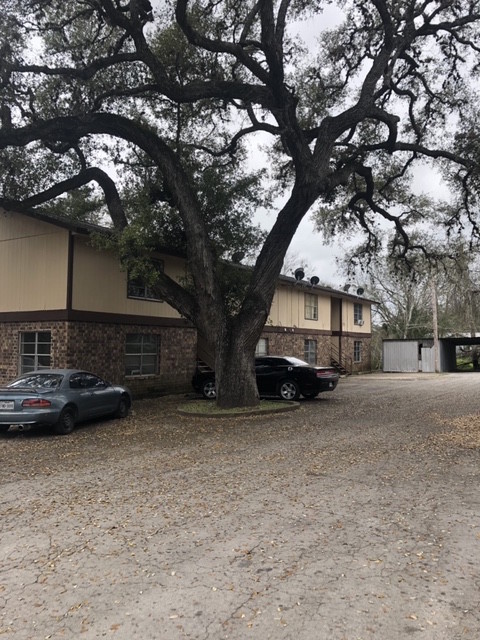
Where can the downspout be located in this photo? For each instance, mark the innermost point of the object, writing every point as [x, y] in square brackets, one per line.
[340, 330]
[69, 300]
[436, 343]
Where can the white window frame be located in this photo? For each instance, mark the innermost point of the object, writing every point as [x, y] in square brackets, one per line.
[311, 306]
[142, 369]
[39, 360]
[262, 347]
[309, 354]
[357, 351]
[358, 313]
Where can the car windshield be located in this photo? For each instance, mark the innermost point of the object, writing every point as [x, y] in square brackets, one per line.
[297, 361]
[38, 381]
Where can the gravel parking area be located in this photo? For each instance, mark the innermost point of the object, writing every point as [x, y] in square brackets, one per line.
[355, 517]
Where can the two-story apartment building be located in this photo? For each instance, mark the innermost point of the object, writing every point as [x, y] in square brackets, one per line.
[66, 303]
[320, 325]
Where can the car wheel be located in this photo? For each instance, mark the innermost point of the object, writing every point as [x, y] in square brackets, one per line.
[309, 396]
[208, 390]
[123, 408]
[289, 390]
[66, 422]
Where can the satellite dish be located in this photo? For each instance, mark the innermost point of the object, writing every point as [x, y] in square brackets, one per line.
[314, 280]
[360, 291]
[299, 274]
[238, 256]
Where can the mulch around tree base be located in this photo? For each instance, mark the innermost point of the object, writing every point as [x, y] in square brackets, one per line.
[206, 409]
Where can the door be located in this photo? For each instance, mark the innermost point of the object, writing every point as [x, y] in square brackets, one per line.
[92, 395]
[264, 372]
[428, 359]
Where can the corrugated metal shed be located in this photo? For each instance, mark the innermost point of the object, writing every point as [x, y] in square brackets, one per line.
[400, 355]
[409, 355]
[419, 355]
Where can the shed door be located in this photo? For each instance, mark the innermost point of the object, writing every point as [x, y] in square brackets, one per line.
[428, 359]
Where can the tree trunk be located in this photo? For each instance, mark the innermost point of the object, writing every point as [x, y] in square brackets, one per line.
[235, 370]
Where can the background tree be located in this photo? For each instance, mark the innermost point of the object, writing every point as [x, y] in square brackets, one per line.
[404, 297]
[115, 94]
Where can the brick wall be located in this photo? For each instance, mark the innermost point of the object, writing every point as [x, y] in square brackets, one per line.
[10, 345]
[100, 348]
[289, 343]
[347, 350]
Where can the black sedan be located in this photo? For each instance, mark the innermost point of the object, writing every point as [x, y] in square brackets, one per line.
[282, 376]
[60, 397]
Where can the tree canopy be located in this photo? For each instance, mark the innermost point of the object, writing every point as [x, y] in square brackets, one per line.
[159, 107]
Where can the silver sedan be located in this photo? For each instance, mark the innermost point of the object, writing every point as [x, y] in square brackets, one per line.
[62, 398]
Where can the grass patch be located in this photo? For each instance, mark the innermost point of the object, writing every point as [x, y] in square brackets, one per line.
[209, 409]
[464, 364]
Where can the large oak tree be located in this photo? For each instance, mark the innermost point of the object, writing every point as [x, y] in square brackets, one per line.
[115, 93]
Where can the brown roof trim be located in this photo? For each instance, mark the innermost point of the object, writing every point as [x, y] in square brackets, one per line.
[79, 226]
[317, 288]
[74, 315]
[351, 334]
[296, 330]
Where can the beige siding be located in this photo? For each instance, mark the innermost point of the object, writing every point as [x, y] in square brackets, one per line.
[348, 324]
[34, 269]
[288, 309]
[100, 285]
[33, 264]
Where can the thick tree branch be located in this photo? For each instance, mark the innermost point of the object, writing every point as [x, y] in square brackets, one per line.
[112, 197]
[82, 73]
[217, 46]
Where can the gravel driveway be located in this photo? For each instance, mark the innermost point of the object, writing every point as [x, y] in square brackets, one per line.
[355, 517]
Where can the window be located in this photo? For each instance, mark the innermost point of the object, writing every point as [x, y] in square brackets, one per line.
[311, 306]
[358, 313]
[310, 351]
[38, 381]
[35, 350]
[138, 288]
[141, 354]
[357, 351]
[262, 347]
[85, 381]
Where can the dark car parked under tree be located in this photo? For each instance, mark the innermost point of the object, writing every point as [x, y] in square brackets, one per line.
[282, 376]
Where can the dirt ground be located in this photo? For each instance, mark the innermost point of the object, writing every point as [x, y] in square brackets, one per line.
[355, 517]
